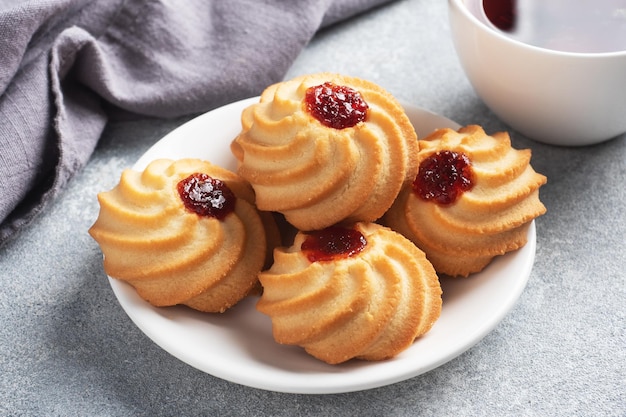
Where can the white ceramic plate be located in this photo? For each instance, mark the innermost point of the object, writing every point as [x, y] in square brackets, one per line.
[238, 346]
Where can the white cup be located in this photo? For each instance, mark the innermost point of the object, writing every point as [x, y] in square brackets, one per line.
[560, 98]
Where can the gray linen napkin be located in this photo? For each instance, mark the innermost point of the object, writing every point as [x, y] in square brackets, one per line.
[63, 63]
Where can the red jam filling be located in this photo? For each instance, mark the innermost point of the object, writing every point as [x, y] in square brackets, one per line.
[206, 196]
[335, 106]
[443, 177]
[332, 243]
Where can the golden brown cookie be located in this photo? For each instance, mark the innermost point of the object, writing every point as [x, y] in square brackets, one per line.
[184, 232]
[324, 148]
[360, 292]
[462, 230]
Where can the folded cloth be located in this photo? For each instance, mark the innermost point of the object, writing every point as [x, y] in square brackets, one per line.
[64, 64]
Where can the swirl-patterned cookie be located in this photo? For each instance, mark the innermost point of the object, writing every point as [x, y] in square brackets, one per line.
[350, 292]
[473, 198]
[326, 148]
[184, 232]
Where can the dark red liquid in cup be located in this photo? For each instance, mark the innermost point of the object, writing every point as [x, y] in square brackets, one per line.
[562, 25]
[502, 13]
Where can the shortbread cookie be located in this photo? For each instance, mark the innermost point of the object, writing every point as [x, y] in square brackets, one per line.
[360, 292]
[326, 148]
[473, 198]
[184, 232]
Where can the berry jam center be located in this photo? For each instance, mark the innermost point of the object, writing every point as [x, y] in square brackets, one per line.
[443, 177]
[333, 243]
[206, 196]
[335, 106]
